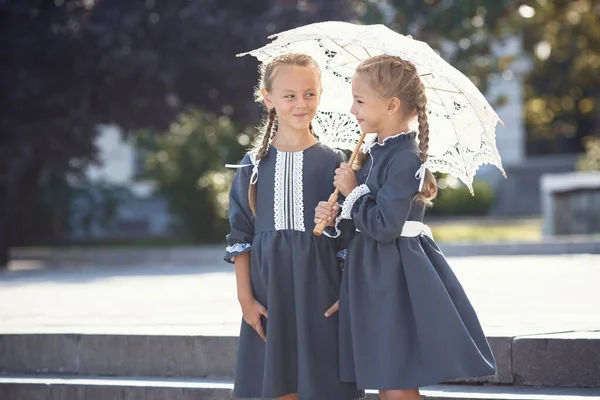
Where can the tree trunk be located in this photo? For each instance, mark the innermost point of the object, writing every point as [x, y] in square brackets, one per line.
[4, 221]
[10, 172]
[7, 203]
[26, 189]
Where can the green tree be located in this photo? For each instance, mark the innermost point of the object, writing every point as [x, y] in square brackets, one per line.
[70, 65]
[187, 163]
[465, 30]
[561, 37]
[563, 90]
[590, 161]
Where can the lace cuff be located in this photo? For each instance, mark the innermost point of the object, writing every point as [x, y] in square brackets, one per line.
[235, 250]
[335, 232]
[354, 195]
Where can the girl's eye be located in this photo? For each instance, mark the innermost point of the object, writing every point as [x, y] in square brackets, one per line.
[359, 102]
[310, 95]
[289, 96]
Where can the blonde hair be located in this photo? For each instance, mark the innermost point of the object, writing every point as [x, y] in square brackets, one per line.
[390, 76]
[268, 72]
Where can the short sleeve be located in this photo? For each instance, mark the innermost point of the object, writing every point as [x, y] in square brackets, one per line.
[382, 215]
[241, 220]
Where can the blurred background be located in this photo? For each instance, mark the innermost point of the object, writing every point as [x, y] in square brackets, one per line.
[117, 116]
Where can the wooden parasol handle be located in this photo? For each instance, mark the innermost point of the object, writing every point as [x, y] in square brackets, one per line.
[334, 196]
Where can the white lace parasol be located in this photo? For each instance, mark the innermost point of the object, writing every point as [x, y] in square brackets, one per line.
[461, 122]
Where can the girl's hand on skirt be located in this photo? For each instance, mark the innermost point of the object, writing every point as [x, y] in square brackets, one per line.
[326, 211]
[345, 179]
[252, 310]
[333, 309]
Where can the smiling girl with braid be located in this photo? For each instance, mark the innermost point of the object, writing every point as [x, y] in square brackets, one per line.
[286, 276]
[405, 320]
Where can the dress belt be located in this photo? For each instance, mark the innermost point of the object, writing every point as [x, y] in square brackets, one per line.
[414, 229]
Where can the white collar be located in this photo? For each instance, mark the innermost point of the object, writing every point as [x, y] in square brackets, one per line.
[371, 141]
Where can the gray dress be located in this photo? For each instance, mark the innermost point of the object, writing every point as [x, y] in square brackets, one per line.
[295, 275]
[405, 320]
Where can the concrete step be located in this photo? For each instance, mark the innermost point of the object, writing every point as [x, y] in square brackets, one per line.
[78, 388]
[118, 355]
[554, 360]
[194, 256]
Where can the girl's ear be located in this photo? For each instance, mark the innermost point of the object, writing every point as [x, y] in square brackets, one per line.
[393, 105]
[267, 98]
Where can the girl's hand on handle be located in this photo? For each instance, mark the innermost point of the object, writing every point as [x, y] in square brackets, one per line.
[345, 179]
[327, 212]
[252, 311]
[333, 309]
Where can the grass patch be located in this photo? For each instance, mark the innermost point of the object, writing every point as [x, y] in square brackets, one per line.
[518, 230]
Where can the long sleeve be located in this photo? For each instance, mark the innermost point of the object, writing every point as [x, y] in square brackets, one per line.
[382, 215]
[240, 238]
[332, 231]
[343, 231]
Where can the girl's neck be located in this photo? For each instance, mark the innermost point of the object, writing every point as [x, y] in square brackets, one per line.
[292, 141]
[391, 131]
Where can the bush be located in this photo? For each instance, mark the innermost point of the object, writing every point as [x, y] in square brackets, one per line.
[187, 164]
[590, 161]
[459, 201]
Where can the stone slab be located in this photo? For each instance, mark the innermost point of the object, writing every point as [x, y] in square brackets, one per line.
[557, 360]
[118, 355]
[567, 360]
[154, 356]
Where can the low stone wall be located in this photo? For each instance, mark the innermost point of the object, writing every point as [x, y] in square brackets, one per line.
[571, 203]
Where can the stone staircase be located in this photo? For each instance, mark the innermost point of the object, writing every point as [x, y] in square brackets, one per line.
[146, 367]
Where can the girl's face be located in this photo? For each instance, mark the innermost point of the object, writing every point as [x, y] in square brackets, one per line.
[295, 94]
[371, 111]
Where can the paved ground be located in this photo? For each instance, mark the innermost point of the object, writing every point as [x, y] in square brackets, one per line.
[513, 296]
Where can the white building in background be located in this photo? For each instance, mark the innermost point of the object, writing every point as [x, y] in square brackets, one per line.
[511, 138]
[116, 205]
[117, 158]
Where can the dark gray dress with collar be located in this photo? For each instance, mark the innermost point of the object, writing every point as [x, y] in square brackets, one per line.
[294, 274]
[405, 320]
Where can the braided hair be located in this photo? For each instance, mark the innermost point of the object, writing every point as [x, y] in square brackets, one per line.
[267, 74]
[391, 76]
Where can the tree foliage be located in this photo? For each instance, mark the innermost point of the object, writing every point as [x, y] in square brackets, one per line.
[563, 90]
[463, 31]
[70, 65]
[187, 164]
[561, 38]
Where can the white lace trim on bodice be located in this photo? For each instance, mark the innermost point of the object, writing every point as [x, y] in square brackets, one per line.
[288, 198]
